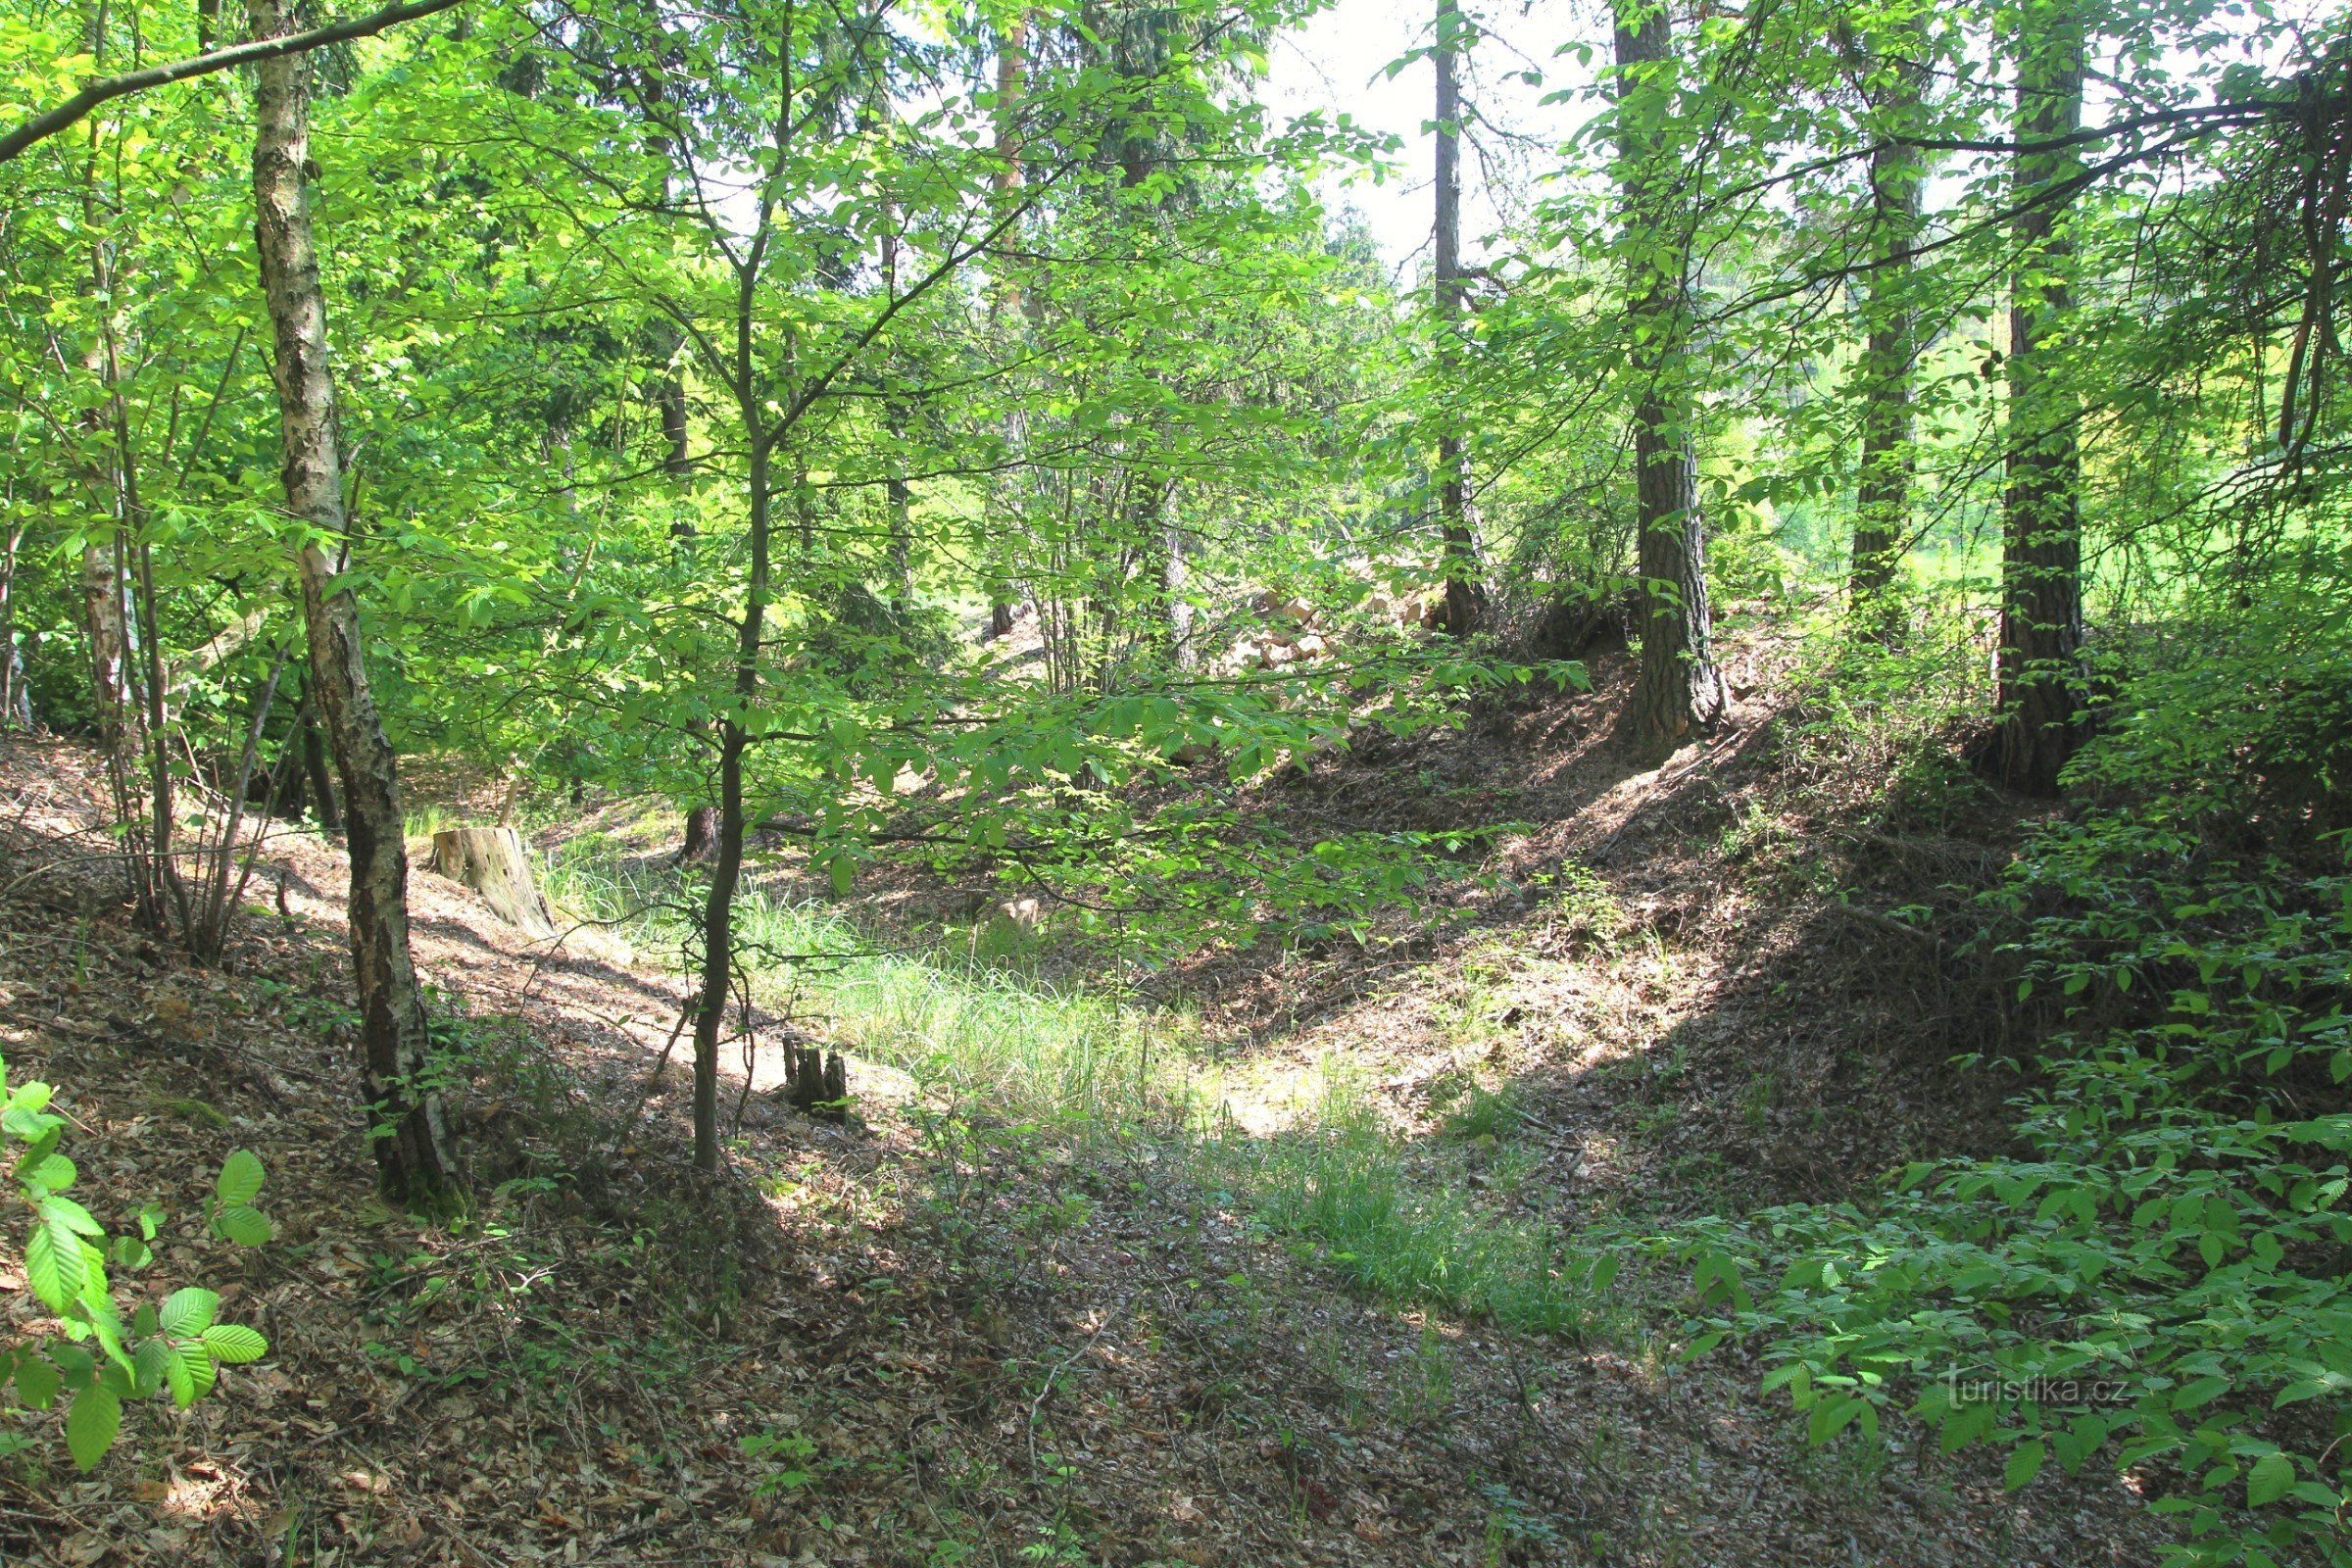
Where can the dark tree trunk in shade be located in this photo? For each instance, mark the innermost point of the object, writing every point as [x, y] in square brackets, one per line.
[414, 1155]
[2041, 545]
[1677, 690]
[326, 811]
[718, 907]
[1882, 489]
[701, 827]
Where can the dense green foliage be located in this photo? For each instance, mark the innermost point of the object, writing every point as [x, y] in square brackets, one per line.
[964, 441]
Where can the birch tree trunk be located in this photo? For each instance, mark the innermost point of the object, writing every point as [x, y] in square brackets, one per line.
[2041, 545]
[415, 1156]
[1677, 691]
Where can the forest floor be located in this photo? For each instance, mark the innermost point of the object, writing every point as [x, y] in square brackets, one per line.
[1017, 1345]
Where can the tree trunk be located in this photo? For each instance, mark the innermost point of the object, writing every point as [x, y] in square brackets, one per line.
[1882, 493]
[2041, 545]
[1465, 596]
[1677, 691]
[12, 679]
[1175, 582]
[325, 812]
[1005, 303]
[108, 639]
[701, 828]
[492, 862]
[718, 907]
[415, 1156]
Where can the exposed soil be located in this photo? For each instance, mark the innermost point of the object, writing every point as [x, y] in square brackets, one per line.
[1018, 1350]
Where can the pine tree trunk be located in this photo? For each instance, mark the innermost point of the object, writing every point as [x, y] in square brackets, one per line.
[1883, 492]
[415, 1161]
[2041, 546]
[1677, 691]
[1465, 596]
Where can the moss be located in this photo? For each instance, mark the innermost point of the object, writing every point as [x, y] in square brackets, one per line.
[195, 1111]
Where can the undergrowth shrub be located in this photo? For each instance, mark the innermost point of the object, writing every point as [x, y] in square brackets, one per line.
[100, 1355]
[2159, 1279]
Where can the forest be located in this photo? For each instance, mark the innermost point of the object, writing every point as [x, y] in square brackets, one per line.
[939, 782]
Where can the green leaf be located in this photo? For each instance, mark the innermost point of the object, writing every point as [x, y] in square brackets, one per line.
[173, 1365]
[91, 1425]
[56, 1173]
[37, 1382]
[1833, 1416]
[200, 1365]
[2200, 1392]
[69, 1214]
[153, 1366]
[240, 1179]
[74, 1362]
[247, 1227]
[2025, 1464]
[188, 1311]
[52, 1265]
[236, 1343]
[2269, 1480]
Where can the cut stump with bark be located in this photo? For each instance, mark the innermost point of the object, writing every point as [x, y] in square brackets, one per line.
[817, 1083]
[491, 861]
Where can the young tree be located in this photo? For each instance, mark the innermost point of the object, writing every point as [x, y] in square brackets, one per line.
[1677, 691]
[2041, 544]
[415, 1159]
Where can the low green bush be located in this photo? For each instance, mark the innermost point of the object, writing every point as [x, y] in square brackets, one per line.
[101, 1355]
[2159, 1279]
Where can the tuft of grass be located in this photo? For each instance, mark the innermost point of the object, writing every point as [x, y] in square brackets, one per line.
[1342, 1183]
[989, 1037]
[1488, 1113]
[993, 1038]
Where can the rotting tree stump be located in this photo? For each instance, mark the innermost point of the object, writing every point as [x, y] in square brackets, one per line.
[816, 1082]
[491, 861]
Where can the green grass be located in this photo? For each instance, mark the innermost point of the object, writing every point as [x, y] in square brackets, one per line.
[1071, 1061]
[995, 1039]
[1342, 1183]
[991, 1036]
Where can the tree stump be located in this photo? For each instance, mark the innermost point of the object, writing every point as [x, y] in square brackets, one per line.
[701, 834]
[817, 1083]
[491, 861]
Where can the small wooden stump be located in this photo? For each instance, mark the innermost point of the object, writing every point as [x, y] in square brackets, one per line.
[816, 1082]
[491, 861]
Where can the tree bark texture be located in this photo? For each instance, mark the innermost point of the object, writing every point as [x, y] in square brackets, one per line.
[718, 907]
[1883, 492]
[493, 862]
[1465, 595]
[325, 810]
[2041, 546]
[1677, 690]
[414, 1155]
